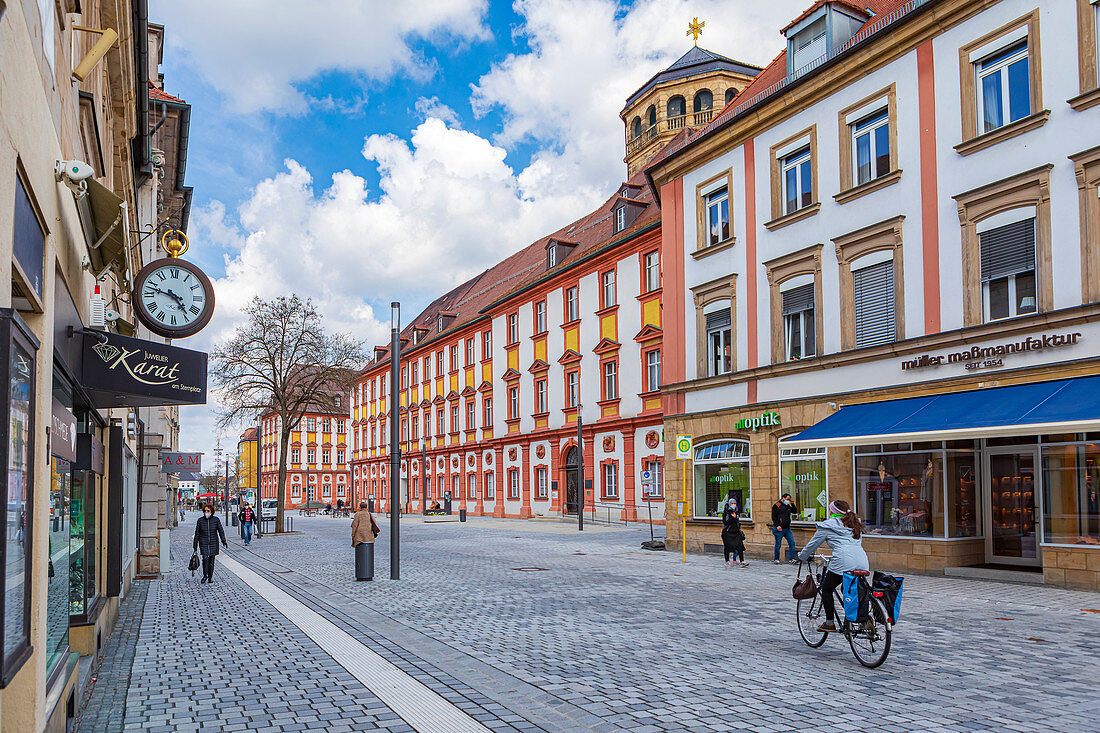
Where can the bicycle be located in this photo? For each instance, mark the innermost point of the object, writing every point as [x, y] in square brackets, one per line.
[869, 640]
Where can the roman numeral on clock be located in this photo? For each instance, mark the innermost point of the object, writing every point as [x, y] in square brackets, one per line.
[173, 320]
[195, 309]
[175, 273]
[160, 315]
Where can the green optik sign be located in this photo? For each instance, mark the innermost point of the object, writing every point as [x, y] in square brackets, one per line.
[767, 419]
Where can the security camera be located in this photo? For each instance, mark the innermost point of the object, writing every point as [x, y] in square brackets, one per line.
[73, 170]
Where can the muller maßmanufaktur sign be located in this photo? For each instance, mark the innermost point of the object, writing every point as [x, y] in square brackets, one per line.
[978, 356]
[120, 371]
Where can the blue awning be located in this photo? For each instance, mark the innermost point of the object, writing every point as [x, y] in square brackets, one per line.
[1063, 406]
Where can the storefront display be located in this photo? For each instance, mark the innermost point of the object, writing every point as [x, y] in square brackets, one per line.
[82, 544]
[721, 472]
[57, 587]
[803, 474]
[1071, 504]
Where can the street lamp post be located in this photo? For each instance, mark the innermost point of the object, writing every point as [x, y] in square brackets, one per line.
[395, 447]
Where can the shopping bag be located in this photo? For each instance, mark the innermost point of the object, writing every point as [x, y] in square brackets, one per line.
[890, 588]
[855, 598]
[193, 563]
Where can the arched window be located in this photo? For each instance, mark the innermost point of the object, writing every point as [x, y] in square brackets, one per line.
[722, 474]
[651, 115]
[704, 100]
[730, 94]
[636, 127]
[675, 111]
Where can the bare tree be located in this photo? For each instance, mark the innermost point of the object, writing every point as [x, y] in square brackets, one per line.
[282, 360]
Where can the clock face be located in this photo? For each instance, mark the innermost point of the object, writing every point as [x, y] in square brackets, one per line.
[174, 298]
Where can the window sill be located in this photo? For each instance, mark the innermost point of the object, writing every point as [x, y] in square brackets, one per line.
[1085, 101]
[714, 248]
[1006, 132]
[865, 188]
[787, 219]
[570, 324]
[607, 310]
[656, 292]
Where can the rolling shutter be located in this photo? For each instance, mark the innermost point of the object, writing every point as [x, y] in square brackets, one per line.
[874, 304]
[798, 299]
[1008, 250]
[718, 319]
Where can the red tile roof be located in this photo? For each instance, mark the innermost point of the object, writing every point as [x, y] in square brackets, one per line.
[159, 95]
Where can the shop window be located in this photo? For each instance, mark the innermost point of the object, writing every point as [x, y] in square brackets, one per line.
[655, 488]
[652, 267]
[57, 588]
[1071, 494]
[572, 304]
[803, 473]
[82, 543]
[1008, 269]
[490, 486]
[799, 329]
[611, 480]
[721, 473]
[513, 484]
[541, 484]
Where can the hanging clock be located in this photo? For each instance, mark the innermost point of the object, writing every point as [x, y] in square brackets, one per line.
[173, 297]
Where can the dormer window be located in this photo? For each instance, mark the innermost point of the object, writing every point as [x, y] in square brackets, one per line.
[551, 255]
[620, 218]
[820, 35]
[439, 325]
[808, 44]
[336, 399]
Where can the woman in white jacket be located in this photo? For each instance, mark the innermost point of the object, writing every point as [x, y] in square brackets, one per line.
[842, 531]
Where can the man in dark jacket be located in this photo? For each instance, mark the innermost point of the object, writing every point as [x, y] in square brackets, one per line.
[781, 527]
[208, 528]
[247, 517]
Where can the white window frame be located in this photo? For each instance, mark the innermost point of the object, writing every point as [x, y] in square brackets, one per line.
[716, 199]
[788, 323]
[513, 328]
[610, 296]
[652, 266]
[540, 316]
[514, 488]
[486, 345]
[1002, 68]
[719, 341]
[656, 468]
[471, 487]
[513, 403]
[471, 416]
[490, 486]
[572, 304]
[551, 256]
[867, 126]
[794, 162]
[611, 380]
[653, 381]
[541, 483]
[540, 396]
[620, 218]
[610, 481]
[572, 383]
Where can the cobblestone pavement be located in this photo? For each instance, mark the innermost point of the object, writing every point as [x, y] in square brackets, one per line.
[603, 637]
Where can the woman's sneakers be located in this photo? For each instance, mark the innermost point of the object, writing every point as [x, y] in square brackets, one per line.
[744, 564]
[827, 626]
[730, 563]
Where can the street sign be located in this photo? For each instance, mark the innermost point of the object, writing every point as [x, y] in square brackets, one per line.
[681, 508]
[646, 476]
[683, 447]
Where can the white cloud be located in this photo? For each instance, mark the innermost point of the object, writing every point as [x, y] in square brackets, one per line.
[254, 53]
[431, 107]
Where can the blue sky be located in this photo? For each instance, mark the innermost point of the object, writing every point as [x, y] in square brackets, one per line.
[362, 151]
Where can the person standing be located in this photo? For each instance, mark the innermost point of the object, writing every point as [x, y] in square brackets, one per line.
[208, 528]
[782, 511]
[181, 512]
[363, 532]
[733, 538]
[247, 517]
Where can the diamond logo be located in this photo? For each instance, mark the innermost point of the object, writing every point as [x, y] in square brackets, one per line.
[106, 351]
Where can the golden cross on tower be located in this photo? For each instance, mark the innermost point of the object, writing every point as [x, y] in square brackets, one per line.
[695, 29]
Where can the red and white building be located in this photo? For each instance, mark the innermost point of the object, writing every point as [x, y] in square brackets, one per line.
[317, 458]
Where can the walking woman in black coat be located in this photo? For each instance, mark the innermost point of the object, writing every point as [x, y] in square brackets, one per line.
[207, 530]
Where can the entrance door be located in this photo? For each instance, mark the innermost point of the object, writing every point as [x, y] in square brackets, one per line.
[572, 490]
[311, 493]
[1012, 513]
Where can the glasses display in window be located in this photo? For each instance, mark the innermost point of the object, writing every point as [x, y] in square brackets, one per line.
[803, 475]
[721, 474]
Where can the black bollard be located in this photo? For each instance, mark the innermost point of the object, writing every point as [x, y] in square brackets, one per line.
[364, 561]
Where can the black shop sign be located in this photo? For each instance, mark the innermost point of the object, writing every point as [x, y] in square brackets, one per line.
[119, 371]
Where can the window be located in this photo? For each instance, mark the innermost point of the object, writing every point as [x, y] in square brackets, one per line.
[722, 473]
[336, 401]
[326, 491]
[404, 376]
[611, 481]
[471, 420]
[440, 423]
[609, 289]
[653, 370]
[439, 368]
[799, 330]
[808, 45]
[871, 146]
[490, 486]
[1071, 512]
[572, 390]
[1004, 88]
[311, 456]
[340, 490]
[541, 484]
[551, 256]
[797, 180]
[404, 429]
[373, 436]
[1008, 269]
[311, 424]
[454, 357]
[513, 328]
[487, 345]
[326, 425]
[297, 491]
[295, 455]
[718, 216]
[513, 403]
[654, 488]
[442, 486]
[427, 423]
[540, 396]
[513, 484]
[340, 427]
[572, 305]
[456, 488]
[719, 342]
[454, 419]
[620, 218]
[610, 380]
[326, 456]
[416, 427]
[652, 265]
[471, 487]
[540, 317]
[428, 368]
[803, 474]
[469, 352]
[415, 373]
[487, 410]
[873, 295]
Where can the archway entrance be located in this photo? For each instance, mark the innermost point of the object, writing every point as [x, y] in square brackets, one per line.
[572, 480]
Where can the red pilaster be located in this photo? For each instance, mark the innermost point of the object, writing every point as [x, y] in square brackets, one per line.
[525, 483]
[630, 507]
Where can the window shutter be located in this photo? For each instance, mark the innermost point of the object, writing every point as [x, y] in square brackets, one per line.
[798, 299]
[1008, 250]
[718, 319]
[874, 304]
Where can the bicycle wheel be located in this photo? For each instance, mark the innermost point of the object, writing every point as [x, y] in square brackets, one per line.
[810, 615]
[870, 640]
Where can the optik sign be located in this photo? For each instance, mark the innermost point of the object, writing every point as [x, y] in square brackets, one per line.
[765, 420]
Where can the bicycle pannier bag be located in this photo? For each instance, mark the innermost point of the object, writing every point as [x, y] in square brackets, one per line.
[805, 589]
[855, 598]
[890, 587]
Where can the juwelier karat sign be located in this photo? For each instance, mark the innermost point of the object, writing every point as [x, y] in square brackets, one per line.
[981, 357]
[766, 419]
[119, 371]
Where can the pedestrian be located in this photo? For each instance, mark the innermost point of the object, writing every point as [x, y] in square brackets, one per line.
[247, 518]
[207, 530]
[363, 532]
[843, 531]
[181, 513]
[733, 539]
[782, 511]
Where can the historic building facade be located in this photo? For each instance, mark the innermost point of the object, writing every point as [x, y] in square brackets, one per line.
[318, 462]
[883, 261]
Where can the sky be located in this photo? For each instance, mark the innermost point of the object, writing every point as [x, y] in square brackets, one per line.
[358, 152]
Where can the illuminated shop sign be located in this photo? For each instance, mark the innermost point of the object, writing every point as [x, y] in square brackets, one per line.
[767, 419]
[979, 357]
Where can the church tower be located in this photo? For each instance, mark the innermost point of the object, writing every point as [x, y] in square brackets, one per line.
[686, 94]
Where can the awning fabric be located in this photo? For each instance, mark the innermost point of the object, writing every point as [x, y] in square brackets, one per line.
[103, 215]
[1062, 406]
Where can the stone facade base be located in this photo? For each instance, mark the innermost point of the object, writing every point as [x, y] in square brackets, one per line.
[1071, 567]
[922, 556]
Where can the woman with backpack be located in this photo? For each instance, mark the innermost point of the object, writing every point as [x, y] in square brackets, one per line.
[733, 539]
[843, 532]
[208, 528]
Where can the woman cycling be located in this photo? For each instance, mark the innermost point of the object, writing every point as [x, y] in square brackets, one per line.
[842, 531]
